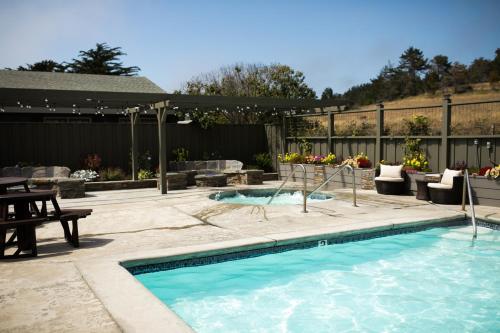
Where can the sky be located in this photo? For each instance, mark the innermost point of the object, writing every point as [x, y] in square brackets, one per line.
[336, 44]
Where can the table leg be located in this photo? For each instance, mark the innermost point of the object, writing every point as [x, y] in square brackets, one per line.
[26, 235]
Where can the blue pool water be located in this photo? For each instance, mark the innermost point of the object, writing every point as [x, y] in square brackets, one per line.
[429, 281]
[261, 197]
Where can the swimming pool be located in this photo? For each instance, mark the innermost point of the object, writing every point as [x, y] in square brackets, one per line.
[429, 281]
[262, 196]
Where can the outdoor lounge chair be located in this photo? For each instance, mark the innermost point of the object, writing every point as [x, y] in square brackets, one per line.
[391, 180]
[449, 190]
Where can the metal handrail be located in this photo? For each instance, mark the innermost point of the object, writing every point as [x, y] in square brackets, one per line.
[471, 203]
[286, 179]
[342, 167]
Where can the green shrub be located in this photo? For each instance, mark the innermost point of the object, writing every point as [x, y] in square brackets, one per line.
[418, 125]
[264, 161]
[180, 154]
[112, 174]
[145, 174]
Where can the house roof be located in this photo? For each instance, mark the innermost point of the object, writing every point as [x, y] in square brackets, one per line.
[39, 89]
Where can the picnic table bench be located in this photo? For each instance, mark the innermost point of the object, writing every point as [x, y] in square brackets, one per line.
[25, 220]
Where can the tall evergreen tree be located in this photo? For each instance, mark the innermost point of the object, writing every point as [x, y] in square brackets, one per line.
[413, 63]
[327, 93]
[101, 60]
[43, 66]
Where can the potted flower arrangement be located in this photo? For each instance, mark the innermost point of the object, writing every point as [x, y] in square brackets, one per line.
[493, 172]
[414, 159]
[358, 161]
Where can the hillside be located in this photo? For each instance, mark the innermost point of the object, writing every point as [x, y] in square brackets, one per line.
[480, 92]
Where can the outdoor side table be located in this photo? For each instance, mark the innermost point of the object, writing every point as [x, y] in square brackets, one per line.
[423, 190]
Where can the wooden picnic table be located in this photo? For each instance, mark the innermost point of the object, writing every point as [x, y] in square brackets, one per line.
[24, 222]
[6, 182]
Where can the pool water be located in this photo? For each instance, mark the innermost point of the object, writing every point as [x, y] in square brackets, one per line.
[429, 281]
[261, 197]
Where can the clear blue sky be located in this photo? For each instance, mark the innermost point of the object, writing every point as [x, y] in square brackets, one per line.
[335, 43]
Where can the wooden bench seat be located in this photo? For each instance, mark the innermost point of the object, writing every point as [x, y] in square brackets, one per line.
[26, 237]
[72, 215]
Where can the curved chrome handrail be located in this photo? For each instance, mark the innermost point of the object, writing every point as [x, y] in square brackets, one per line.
[286, 179]
[334, 174]
[471, 204]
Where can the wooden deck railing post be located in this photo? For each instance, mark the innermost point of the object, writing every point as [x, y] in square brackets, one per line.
[379, 132]
[445, 132]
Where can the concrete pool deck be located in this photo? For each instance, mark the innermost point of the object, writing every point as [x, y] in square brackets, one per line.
[52, 293]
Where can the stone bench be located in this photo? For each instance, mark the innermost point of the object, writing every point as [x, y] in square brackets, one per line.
[190, 174]
[216, 165]
[246, 177]
[49, 178]
[175, 181]
[211, 180]
[67, 188]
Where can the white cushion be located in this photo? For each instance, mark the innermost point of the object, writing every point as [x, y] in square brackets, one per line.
[390, 179]
[448, 176]
[440, 186]
[392, 171]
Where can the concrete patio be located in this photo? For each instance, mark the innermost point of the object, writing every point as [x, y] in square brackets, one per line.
[49, 293]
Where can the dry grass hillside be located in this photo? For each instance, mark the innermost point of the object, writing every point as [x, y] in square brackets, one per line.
[475, 119]
[480, 92]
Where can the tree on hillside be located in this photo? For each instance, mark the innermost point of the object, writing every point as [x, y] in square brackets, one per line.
[439, 69]
[249, 80]
[327, 93]
[458, 78]
[495, 67]
[413, 63]
[479, 70]
[101, 60]
[43, 66]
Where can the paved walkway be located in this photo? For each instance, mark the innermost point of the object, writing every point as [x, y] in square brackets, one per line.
[48, 293]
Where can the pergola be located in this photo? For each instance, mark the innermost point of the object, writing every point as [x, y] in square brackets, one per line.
[41, 92]
[186, 103]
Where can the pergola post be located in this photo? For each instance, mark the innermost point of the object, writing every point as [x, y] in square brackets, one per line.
[161, 115]
[134, 117]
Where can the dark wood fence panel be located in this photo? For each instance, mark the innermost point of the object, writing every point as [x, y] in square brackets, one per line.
[476, 155]
[274, 143]
[68, 144]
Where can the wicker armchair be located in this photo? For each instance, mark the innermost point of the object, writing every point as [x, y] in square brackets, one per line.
[391, 180]
[449, 190]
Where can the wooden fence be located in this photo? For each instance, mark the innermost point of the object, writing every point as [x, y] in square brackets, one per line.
[68, 144]
[458, 132]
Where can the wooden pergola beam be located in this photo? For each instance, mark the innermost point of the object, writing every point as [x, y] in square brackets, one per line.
[222, 102]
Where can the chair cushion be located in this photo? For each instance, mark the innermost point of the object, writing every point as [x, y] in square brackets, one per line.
[440, 186]
[389, 179]
[448, 176]
[392, 171]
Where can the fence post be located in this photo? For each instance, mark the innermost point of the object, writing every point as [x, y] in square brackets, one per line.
[330, 128]
[379, 119]
[445, 132]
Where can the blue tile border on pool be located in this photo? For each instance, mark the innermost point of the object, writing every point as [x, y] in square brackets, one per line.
[214, 259]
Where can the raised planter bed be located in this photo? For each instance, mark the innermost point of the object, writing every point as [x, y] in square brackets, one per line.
[485, 191]
[316, 174]
[270, 176]
[119, 185]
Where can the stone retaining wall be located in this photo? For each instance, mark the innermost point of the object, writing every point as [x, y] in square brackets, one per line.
[120, 185]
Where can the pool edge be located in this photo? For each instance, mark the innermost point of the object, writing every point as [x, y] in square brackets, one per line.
[108, 278]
